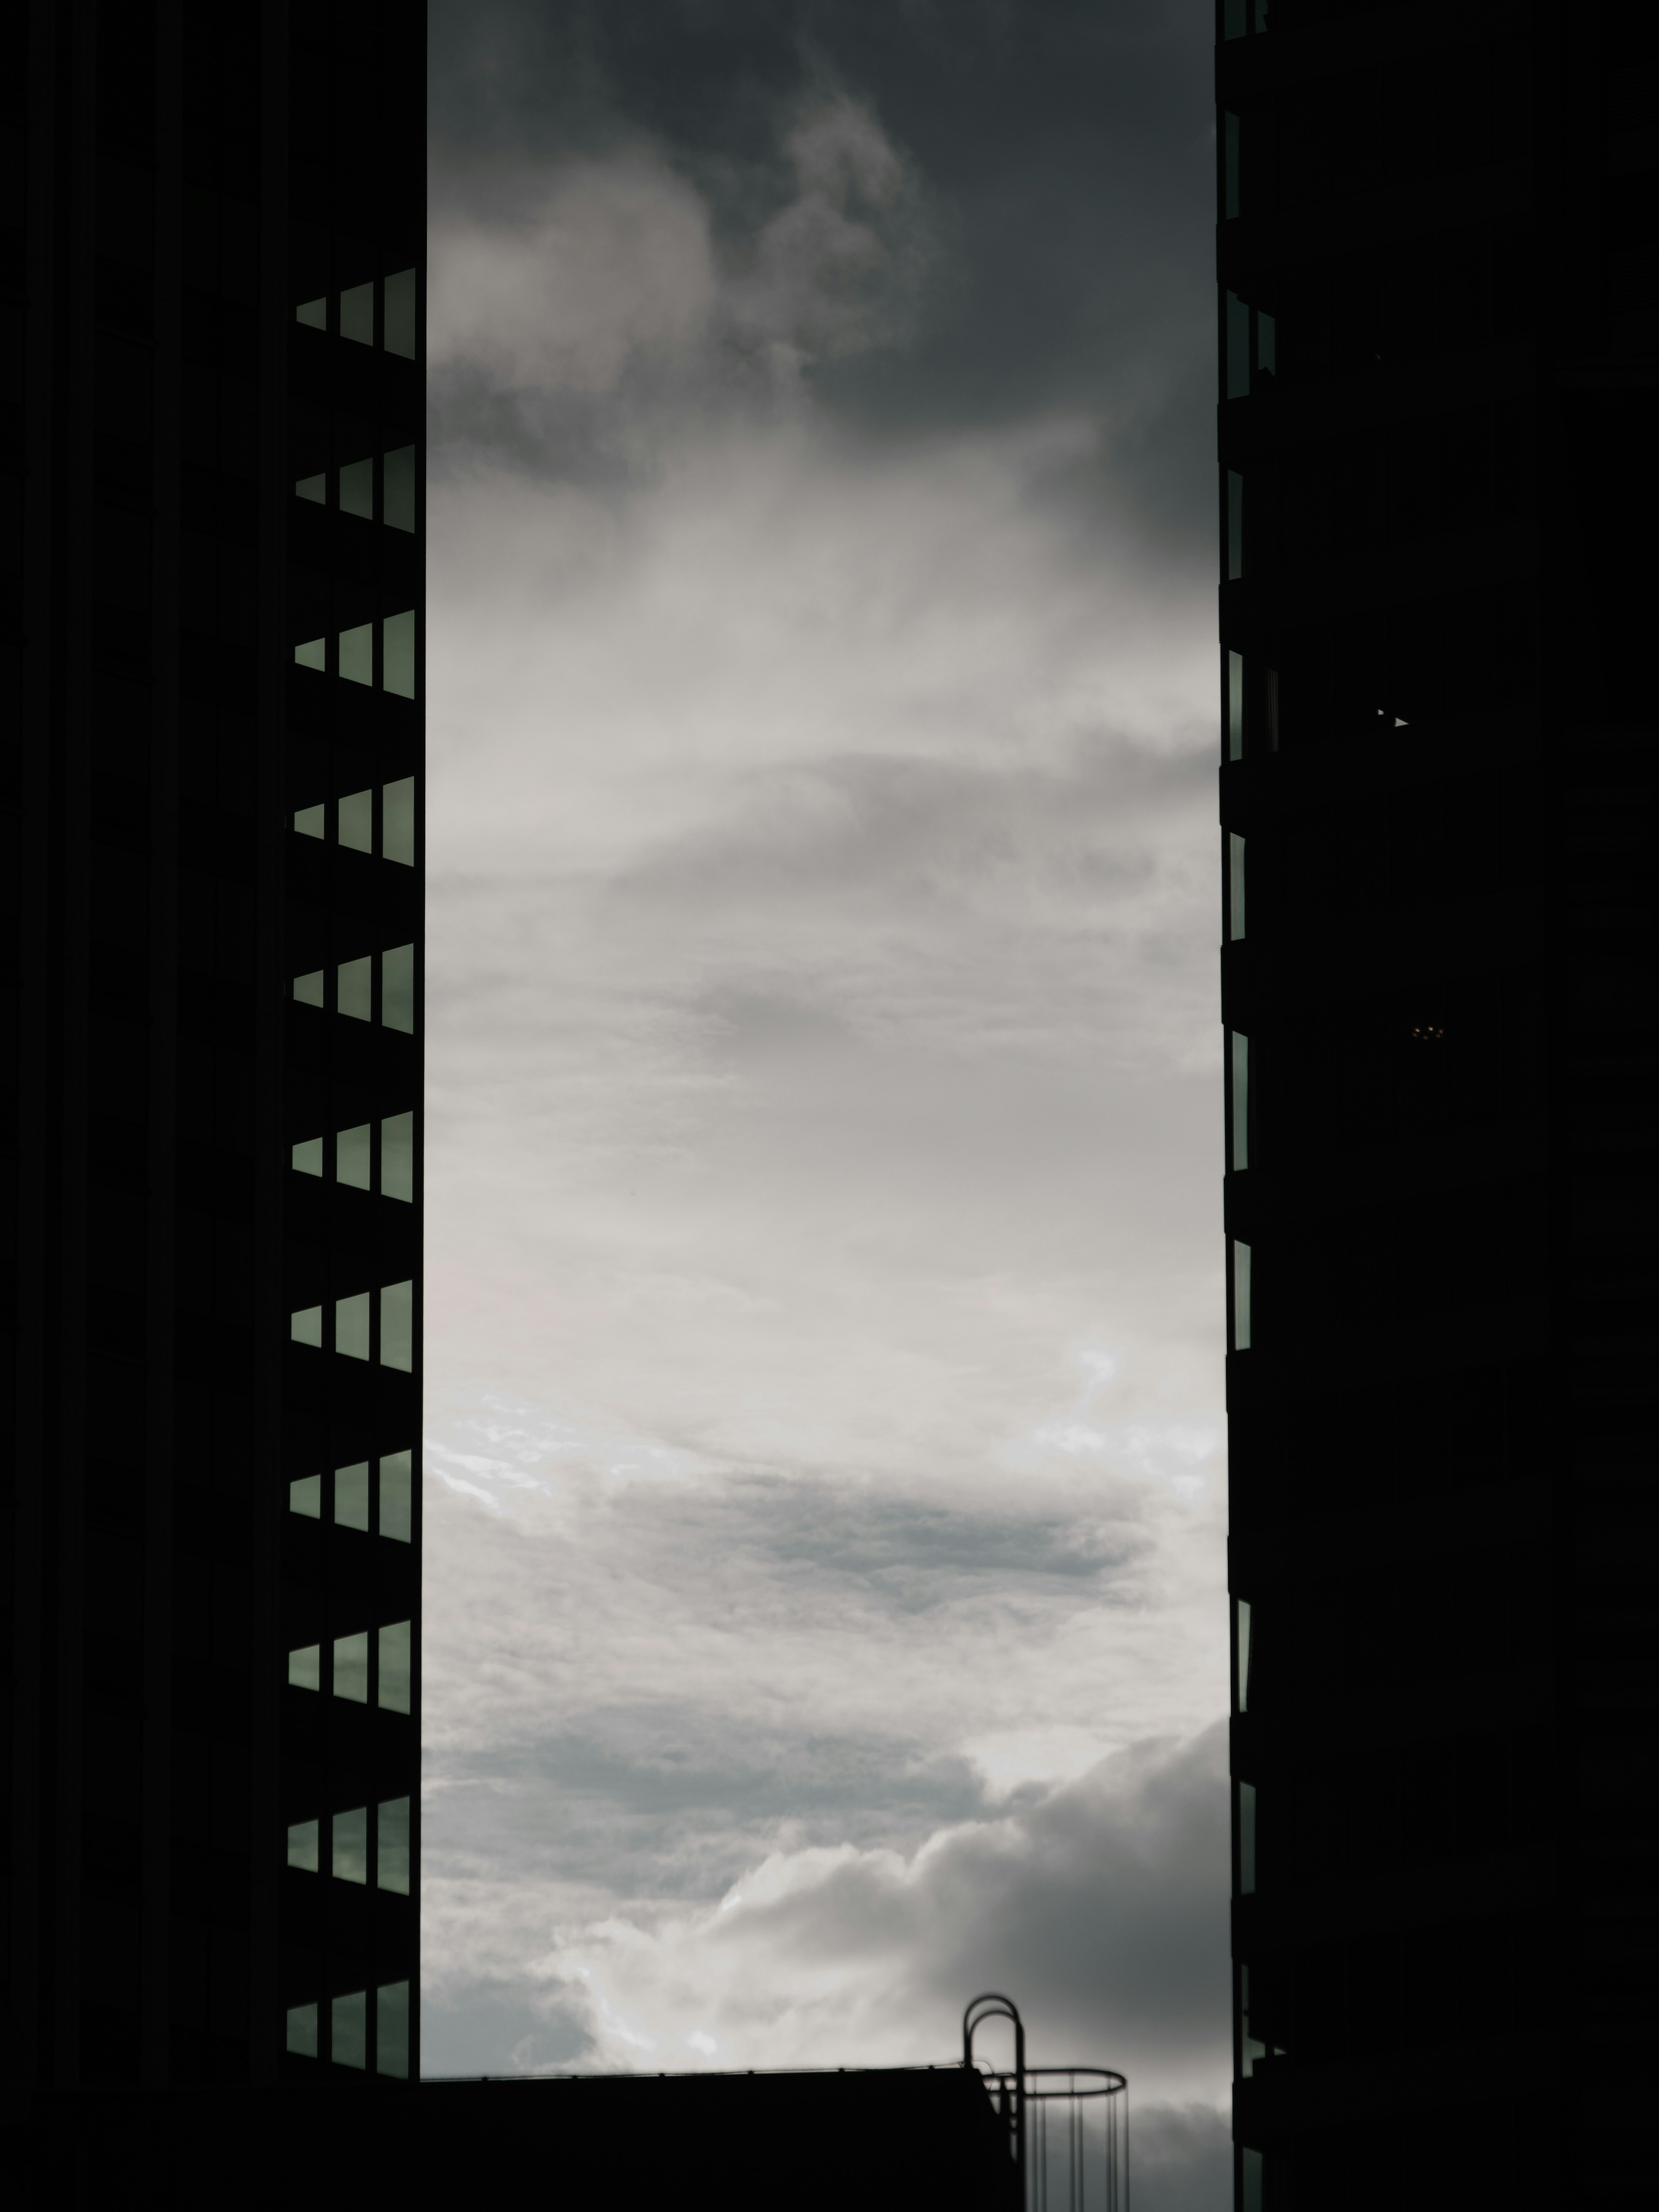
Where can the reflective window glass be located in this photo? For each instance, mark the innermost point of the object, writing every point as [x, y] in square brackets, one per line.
[394, 1667]
[357, 654]
[349, 2038]
[396, 1326]
[303, 2030]
[314, 312]
[396, 1497]
[397, 821]
[351, 1495]
[351, 1668]
[312, 822]
[398, 488]
[1251, 2177]
[1235, 888]
[308, 989]
[392, 1846]
[313, 653]
[1241, 1297]
[398, 1155]
[391, 2030]
[302, 1846]
[1247, 1839]
[398, 654]
[305, 1327]
[309, 1156]
[305, 1496]
[1240, 1057]
[305, 1667]
[400, 314]
[357, 314]
[357, 821]
[351, 1317]
[1243, 1619]
[357, 488]
[313, 488]
[350, 1858]
[354, 1155]
[357, 989]
[1234, 706]
[397, 988]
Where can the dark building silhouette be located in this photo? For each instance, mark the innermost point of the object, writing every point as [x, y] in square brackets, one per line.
[1439, 344]
[213, 538]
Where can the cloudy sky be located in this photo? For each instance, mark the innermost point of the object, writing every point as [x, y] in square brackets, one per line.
[826, 1489]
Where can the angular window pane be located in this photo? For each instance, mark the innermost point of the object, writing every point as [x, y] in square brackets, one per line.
[303, 2030]
[353, 1155]
[357, 654]
[400, 321]
[1235, 888]
[1243, 1619]
[397, 822]
[1234, 706]
[392, 1846]
[351, 1326]
[351, 1668]
[313, 653]
[398, 490]
[398, 1326]
[1251, 2176]
[313, 488]
[398, 1155]
[397, 988]
[356, 988]
[394, 1667]
[305, 1496]
[309, 1156]
[396, 1497]
[1241, 1101]
[357, 821]
[397, 652]
[305, 1327]
[1247, 1839]
[314, 312]
[308, 989]
[1234, 24]
[357, 488]
[1241, 1297]
[357, 314]
[351, 1495]
[305, 1667]
[351, 1853]
[348, 2040]
[302, 1846]
[312, 822]
[1235, 529]
[1238, 347]
[391, 2030]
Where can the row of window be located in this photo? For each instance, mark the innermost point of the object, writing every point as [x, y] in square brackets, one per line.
[355, 1151]
[352, 823]
[344, 2021]
[355, 989]
[354, 487]
[344, 1668]
[361, 1496]
[353, 654]
[356, 1847]
[355, 312]
[376, 1325]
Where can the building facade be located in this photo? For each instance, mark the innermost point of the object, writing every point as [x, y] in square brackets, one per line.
[215, 530]
[1439, 344]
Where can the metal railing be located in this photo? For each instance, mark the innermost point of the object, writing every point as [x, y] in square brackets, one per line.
[1068, 2126]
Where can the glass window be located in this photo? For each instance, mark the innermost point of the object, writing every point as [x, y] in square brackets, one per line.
[313, 488]
[1241, 1296]
[1247, 1839]
[312, 822]
[398, 1155]
[392, 1846]
[305, 1496]
[400, 315]
[1242, 1615]
[302, 1846]
[305, 1327]
[356, 988]
[398, 1326]
[1241, 1059]
[351, 1317]
[314, 312]
[357, 821]
[398, 651]
[1234, 25]
[351, 1668]
[1238, 347]
[357, 488]
[396, 1497]
[308, 989]
[313, 653]
[1230, 156]
[348, 2040]
[1251, 2194]
[350, 1858]
[351, 1495]
[1235, 526]
[1235, 888]
[398, 490]
[305, 1667]
[354, 1155]
[397, 821]
[357, 314]
[309, 1156]
[1234, 706]
[392, 2029]
[397, 988]
[303, 2030]
[357, 654]
[394, 1667]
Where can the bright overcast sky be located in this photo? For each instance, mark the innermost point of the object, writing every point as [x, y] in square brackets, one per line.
[826, 1498]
